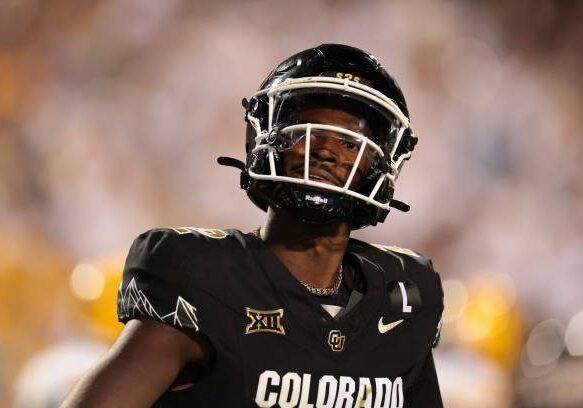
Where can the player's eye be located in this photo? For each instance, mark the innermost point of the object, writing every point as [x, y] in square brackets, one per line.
[350, 145]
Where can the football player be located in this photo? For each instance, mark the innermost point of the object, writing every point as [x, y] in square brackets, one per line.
[295, 313]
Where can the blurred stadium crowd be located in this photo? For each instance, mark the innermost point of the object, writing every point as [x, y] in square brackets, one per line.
[112, 113]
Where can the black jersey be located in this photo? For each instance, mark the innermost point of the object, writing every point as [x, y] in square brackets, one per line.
[275, 345]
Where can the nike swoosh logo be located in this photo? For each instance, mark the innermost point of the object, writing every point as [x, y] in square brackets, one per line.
[383, 328]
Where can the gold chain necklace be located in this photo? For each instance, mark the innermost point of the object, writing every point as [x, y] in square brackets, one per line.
[330, 290]
[314, 290]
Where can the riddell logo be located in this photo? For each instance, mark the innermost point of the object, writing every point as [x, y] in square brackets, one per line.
[316, 199]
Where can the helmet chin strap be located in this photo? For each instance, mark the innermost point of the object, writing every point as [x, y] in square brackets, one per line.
[399, 205]
[231, 162]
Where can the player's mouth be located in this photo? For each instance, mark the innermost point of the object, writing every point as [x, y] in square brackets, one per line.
[318, 174]
[324, 180]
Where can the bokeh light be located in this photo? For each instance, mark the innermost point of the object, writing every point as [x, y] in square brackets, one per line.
[574, 335]
[543, 347]
[87, 282]
[545, 342]
[455, 299]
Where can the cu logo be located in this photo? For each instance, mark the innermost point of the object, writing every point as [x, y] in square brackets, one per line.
[336, 340]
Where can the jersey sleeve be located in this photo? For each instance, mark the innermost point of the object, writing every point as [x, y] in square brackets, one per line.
[420, 269]
[433, 289]
[155, 285]
[439, 304]
[424, 392]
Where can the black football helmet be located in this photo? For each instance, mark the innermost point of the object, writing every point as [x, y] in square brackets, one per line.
[328, 76]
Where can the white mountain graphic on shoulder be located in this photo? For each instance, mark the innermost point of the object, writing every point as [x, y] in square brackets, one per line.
[184, 314]
[133, 302]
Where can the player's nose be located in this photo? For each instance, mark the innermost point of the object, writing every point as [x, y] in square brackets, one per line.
[323, 149]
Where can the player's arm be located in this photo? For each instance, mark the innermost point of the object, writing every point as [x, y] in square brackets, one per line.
[162, 334]
[139, 367]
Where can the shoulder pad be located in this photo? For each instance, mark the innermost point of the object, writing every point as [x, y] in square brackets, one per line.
[406, 255]
[214, 233]
[392, 248]
[172, 249]
[189, 236]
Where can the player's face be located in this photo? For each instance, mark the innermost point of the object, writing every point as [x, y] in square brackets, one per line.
[332, 156]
